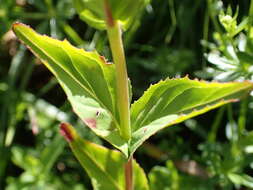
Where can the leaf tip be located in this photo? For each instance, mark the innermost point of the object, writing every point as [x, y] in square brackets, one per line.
[16, 25]
[67, 132]
[186, 76]
[104, 60]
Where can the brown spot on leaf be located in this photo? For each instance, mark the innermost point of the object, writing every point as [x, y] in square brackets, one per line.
[98, 113]
[90, 122]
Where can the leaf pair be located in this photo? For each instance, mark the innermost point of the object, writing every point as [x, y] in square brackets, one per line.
[90, 84]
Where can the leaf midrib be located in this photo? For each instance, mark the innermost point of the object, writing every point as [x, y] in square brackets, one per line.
[80, 84]
[79, 141]
[211, 101]
[197, 105]
[148, 115]
[101, 70]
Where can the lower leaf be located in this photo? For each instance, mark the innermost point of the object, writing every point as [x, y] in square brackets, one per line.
[105, 167]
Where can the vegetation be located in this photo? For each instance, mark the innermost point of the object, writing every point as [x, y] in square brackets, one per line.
[34, 155]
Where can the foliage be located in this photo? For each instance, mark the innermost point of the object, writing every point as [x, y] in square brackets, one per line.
[159, 179]
[148, 58]
[92, 11]
[232, 53]
[104, 166]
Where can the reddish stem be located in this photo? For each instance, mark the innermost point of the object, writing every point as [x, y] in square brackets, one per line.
[108, 12]
[129, 174]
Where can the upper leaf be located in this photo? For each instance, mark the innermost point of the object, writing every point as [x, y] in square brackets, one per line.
[241, 179]
[87, 79]
[93, 11]
[173, 101]
[104, 166]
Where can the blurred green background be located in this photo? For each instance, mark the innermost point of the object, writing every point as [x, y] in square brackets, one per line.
[208, 39]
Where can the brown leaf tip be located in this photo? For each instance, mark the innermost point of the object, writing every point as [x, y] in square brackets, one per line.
[17, 24]
[66, 132]
[103, 59]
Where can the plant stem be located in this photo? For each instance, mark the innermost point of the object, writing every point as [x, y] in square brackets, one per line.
[215, 125]
[242, 117]
[250, 18]
[115, 39]
[129, 174]
[114, 35]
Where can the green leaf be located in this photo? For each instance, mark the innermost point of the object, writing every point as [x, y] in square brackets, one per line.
[172, 101]
[228, 22]
[243, 25]
[245, 57]
[105, 167]
[25, 159]
[246, 143]
[50, 153]
[164, 177]
[88, 80]
[92, 11]
[168, 178]
[241, 179]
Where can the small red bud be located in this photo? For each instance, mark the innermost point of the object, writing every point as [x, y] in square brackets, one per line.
[65, 131]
